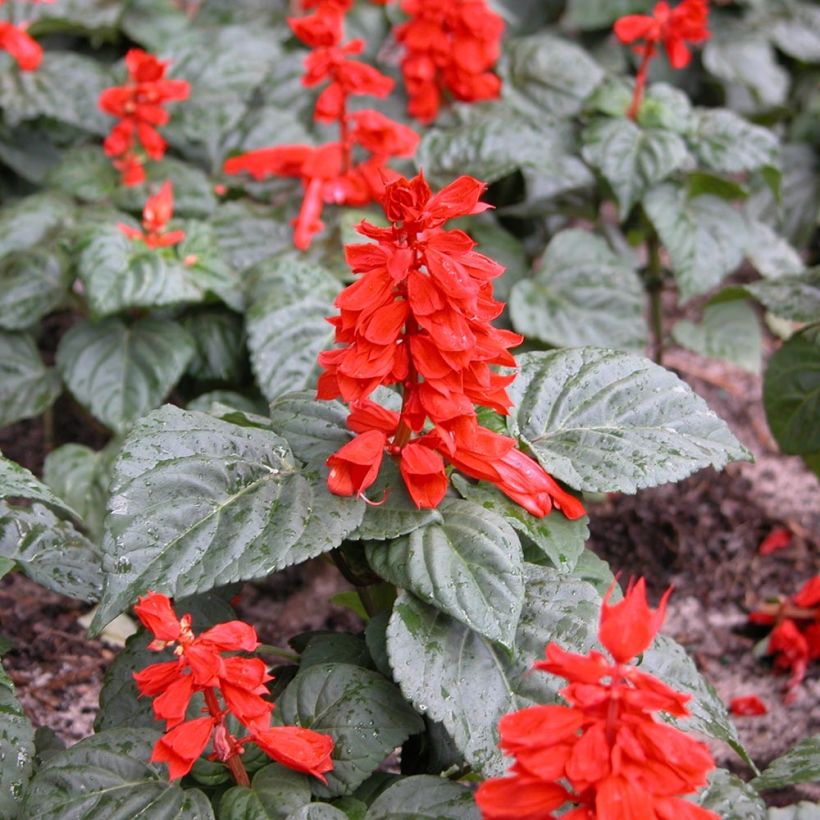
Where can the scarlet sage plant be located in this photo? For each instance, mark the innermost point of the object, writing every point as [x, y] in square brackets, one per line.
[139, 106]
[671, 28]
[333, 173]
[231, 686]
[450, 47]
[605, 752]
[420, 317]
[157, 213]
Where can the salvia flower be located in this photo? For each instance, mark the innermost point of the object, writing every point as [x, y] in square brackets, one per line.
[795, 639]
[354, 169]
[25, 50]
[419, 316]
[157, 213]
[230, 684]
[139, 104]
[605, 754]
[670, 28]
[449, 46]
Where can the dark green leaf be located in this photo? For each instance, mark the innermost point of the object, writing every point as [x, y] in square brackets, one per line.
[732, 799]
[120, 372]
[27, 386]
[770, 253]
[728, 330]
[70, 16]
[275, 792]
[605, 421]
[791, 393]
[424, 796]
[18, 482]
[317, 811]
[799, 765]
[109, 775]
[726, 142]
[219, 346]
[363, 712]
[287, 327]
[469, 565]
[197, 503]
[582, 293]
[314, 429]
[16, 749]
[592, 14]
[247, 233]
[797, 32]
[26, 223]
[32, 283]
[792, 297]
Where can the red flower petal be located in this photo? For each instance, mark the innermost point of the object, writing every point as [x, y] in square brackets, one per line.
[297, 748]
[749, 705]
[182, 746]
[628, 627]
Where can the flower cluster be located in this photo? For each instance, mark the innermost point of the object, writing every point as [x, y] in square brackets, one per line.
[157, 213]
[139, 105]
[671, 28]
[332, 173]
[420, 317]
[449, 46]
[605, 752]
[795, 639]
[239, 682]
[23, 48]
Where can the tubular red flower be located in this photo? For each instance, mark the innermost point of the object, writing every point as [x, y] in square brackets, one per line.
[181, 747]
[297, 748]
[158, 211]
[605, 750]
[748, 705]
[21, 46]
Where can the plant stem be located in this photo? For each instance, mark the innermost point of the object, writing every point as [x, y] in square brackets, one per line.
[362, 589]
[237, 768]
[368, 602]
[640, 84]
[48, 429]
[654, 287]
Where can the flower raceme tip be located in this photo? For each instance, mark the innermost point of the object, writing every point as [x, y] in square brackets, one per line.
[157, 213]
[419, 317]
[232, 685]
[604, 752]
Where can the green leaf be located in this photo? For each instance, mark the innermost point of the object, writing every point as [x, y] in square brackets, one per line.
[16, 749]
[464, 681]
[732, 799]
[109, 775]
[791, 393]
[275, 792]
[799, 765]
[726, 142]
[287, 328]
[248, 233]
[317, 811]
[664, 107]
[18, 482]
[606, 421]
[792, 297]
[242, 508]
[336, 647]
[705, 237]
[797, 32]
[797, 811]
[65, 88]
[469, 565]
[32, 283]
[363, 712]
[193, 189]
[424, 796]
[582, 293]
[668, 660]
[81, 476]
[552, 74]
[219, 346]
[314, 429]
[50, 551]
[728, 330]
[748, 66]
[592, 14]
[770, 253]
[27, 386]
[121, 273]
[559, 539]
[120, 372]
[28, 223]
[70, 16]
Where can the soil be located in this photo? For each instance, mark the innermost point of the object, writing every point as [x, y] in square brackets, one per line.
[701, 535]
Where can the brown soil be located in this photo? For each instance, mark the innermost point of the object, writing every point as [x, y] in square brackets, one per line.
[701, 535]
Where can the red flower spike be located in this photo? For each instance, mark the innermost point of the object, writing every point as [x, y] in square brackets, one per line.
[748, 705]
[139, 106]
[240, 683]
[449, 46]
[158, 211]
[777, 539]
[604, 752]
[672, 28]
[21, 46]
[628, 627]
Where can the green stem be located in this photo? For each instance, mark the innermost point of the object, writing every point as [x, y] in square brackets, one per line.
[48, 429]
[278, 651]
[654, 287]
[368, 602]
[362, 589]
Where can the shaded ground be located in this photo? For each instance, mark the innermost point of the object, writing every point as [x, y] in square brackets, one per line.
[702, 535]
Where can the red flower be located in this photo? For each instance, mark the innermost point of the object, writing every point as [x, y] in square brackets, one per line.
[791, 650]
[777, 539]
[671, 28]
[450, 45]
[21, 46]
[139, 105]
[300, 749]
[240, 682]
[749, 705]
[809, 594]
[605, 751]
[158, 211]
[420, 316]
